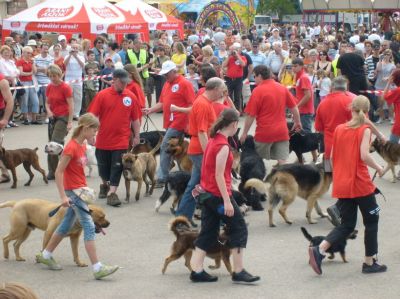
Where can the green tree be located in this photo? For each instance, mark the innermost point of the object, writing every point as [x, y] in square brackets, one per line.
[281, 7]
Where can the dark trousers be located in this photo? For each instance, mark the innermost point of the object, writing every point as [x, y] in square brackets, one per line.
[57, 130]
[159, 82]
[348, 211]
[357, 83]
[109, 163]
[235, 87]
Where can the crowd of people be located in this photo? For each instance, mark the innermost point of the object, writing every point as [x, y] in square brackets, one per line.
[202, 85]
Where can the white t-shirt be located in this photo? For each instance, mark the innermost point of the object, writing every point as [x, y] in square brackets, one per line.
[324, 86]
[73, 71]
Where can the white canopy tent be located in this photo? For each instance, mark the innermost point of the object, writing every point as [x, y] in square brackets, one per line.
[350, 5]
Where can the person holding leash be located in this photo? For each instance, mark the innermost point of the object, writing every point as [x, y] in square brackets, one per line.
[70, 177]
[217, 203]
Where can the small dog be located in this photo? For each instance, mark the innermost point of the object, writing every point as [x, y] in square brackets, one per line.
[184, 245]
[390, 152]
[290, 180]
[53, 148]
[28, 214]
[175, 185]
[138, 168]
[339, 247]
[177, 148]
[25, 156]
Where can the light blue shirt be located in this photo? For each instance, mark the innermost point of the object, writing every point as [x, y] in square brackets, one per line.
[258, 59]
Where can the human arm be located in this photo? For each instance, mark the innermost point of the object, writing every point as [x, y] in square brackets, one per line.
[157, 107]
[203, 139]
[175, 108]
[135, 125]
[70, 101]
[250, 72]
[365, 155]
[296, 118]
[247, 124]
[59, 174]
[305, 99]
[375, 131]
[9, 100]
[221, 158]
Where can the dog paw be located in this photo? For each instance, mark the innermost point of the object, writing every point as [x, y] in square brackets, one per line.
[393, 180]
[20, 259]
[13, 187]
[80, 264]
[272, 225]
[289, 222]
[324, 215]
[312, 221]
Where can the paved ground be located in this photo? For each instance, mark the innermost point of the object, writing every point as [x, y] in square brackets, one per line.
[139, 240]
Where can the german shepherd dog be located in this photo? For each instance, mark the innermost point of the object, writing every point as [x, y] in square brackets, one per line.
[390, 152]
[184, 246]
[338, 247]
[290, 180]
[177, 148]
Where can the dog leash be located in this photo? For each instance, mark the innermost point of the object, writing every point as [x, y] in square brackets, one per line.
[146, 124]
[377, 190]
[53, 212]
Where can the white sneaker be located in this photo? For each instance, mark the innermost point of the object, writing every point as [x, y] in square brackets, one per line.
[46, 121]
[379, 121]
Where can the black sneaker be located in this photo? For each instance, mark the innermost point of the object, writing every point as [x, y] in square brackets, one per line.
[104, 188]
[334, 215]
[315, 259]
[113, 200]
[51, 177]
[374, 268]
[202, 277]
[244, 277]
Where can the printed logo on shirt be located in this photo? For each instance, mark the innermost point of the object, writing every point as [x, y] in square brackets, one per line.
[82, 161]
[175, 88]
[237, 62]
[127, 101]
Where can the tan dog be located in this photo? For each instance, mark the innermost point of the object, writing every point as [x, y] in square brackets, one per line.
[390, 152]
[177, 148]
[25, 156]
[29, 214]
[137, 167]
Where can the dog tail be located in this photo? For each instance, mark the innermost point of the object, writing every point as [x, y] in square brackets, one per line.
[36, 149]
[270, 175]
[256, 184]
[8, 204]
[306, 234]
[179, 224]
[275, 199]
[157, 147]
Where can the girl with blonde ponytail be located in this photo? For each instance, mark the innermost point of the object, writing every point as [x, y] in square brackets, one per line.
[353, 186]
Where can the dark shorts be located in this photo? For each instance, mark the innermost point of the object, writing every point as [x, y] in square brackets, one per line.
[109, 163]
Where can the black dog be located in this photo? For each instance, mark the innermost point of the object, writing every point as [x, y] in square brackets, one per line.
[301, 142]
[175, 185]
[339, 247]
[151, 138]
[251, 166]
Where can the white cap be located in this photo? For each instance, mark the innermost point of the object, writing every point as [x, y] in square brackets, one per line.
[61, 37]
[32, 42]
[373, 29]
[275, 29]
[167, 67]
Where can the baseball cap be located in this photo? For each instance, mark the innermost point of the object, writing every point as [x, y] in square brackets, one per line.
[122, 75]
[167, 66]
[373, 30]
[31, 42]
[275, 29]
[61, 37]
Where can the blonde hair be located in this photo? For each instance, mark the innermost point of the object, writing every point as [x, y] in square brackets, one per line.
[54, 69]
[88, 120]
[207, 51]
[85, 44]
[180, 48]
[4, 48]
[360, 106]
[12, 290]
[132, 70]
[27, 49]
[321, 72]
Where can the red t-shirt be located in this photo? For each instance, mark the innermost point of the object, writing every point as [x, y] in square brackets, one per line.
[60, 63]
[74, 174]
[180, 92]
[26, 67]
[201, 119]
[135, 88]
[57, 98]
[302, 84]
[2, 102]
[207, 180]
[267, 104]
[219, 107]
[115, 111]
[234, 69]
[393, 97]
[332, 111]
[351, 178]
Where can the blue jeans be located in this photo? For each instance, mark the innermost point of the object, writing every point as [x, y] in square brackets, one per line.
[29, 101]
[85, 219]
[187, 204]
[165, 158]
[394, 138]
[306, 122]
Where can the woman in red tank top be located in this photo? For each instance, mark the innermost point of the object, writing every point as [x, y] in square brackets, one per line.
[353, 186]
[217, 203]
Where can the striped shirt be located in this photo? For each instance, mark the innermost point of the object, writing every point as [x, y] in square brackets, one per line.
[43, 62]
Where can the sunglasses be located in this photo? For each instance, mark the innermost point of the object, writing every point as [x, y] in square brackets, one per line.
[322, 54]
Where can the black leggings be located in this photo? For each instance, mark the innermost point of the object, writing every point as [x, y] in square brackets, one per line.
[235, 87]
[348, 211]
[109, 163]
[210, 225]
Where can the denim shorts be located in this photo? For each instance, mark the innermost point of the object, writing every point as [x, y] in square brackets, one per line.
[76, 210]
[306, 122]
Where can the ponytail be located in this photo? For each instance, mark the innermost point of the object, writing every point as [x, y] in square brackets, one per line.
[88, 120]
[227, 117]
[359, 107]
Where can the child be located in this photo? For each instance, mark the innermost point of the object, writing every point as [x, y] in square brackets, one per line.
[193, 77]
[108, 70]
[90, 86]
[91, 61]
[70, 180]
[323, 83]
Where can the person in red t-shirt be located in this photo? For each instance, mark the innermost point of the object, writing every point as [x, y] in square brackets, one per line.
[353, 186]
[136, 84]
[59, 108]
[118, 110]
[201, 118]
[235, 64]
[6, 109]
[218, 205]
[267, 105]
[177, 91]
[393, 97]
[71, 183]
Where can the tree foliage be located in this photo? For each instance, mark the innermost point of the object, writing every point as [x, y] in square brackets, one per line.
[281, 7]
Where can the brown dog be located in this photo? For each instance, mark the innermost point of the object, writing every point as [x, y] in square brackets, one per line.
[26, 156]
[177, 148]
[390, 152]
[137, 167]
[29, 214]
[184, 245]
